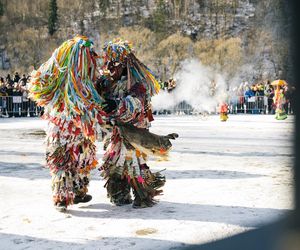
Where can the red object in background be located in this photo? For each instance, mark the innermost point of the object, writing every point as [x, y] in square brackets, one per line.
[223, 108]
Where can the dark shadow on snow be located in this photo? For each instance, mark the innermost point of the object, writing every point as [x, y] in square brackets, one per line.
[208, 174]
[233, 154]
[243, 140]
[21, 153]
[234, 215]
[14, 241]
[38, 171]
[268, 237]
[29, 170]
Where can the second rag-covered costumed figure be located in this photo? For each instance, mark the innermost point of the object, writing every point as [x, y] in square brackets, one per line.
[127, 86]
[64, 86]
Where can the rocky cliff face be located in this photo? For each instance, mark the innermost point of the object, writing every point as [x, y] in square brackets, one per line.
[196, 18]
[25, 42]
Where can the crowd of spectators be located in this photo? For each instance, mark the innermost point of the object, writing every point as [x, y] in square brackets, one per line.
[13, 86]
[258, 98]
[247, 98]
[14, 99]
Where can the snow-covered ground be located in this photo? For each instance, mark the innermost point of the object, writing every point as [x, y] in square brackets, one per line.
[222, 179]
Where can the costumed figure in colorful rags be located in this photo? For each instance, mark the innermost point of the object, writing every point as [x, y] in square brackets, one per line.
[64, 86]
[223, 111]
[279, 100]
[127, 86]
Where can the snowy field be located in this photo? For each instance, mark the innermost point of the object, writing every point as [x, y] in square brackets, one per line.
[222, 179]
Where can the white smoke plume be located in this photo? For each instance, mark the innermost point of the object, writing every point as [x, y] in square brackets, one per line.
[197, 85]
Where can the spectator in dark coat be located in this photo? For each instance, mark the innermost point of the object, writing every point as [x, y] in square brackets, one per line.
[9, 80]
[23, 80]
[17, 77]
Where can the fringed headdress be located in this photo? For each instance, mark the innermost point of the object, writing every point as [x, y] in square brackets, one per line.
[64, 86]
[121, 51]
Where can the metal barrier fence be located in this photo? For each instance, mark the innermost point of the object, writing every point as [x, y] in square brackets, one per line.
[255, 105]
[182, 108]
[237, 104]
[17, 106]
[251, 105]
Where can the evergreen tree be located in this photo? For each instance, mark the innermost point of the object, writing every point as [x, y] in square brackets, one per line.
[104, 5]
[52, 21]
[160, 17]
[1, 9]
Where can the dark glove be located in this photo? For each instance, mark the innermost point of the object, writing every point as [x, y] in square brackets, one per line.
[109, 105]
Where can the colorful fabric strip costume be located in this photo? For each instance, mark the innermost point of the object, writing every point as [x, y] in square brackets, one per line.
[129, 84]
[279, 100]
[64, 86]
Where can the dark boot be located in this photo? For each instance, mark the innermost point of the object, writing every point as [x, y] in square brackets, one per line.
[144, 194]
[142, 202]
[82, 198]
[61, 206]
[118, 190]
[80, 189]
[121, 199]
